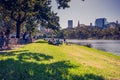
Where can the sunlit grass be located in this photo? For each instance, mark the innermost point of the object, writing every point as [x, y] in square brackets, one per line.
[41, 61]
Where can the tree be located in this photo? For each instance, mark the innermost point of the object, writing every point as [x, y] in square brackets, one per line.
[31, 26]
[21, 10]
[7, 23]
[63, 3]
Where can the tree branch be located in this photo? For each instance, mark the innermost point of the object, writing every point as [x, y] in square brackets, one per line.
[24, 17]
[12, 16]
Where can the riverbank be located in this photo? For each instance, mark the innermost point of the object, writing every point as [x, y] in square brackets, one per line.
[41, 61]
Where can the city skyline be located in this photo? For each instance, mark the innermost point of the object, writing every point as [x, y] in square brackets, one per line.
[88, 11]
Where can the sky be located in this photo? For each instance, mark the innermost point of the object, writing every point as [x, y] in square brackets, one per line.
[87, 11]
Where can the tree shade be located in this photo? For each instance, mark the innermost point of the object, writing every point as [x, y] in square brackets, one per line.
[22, 10]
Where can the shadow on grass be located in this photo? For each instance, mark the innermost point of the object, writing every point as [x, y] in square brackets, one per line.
[87, 77]
[26, 55]
[33, 56]
[21, 69]
[11, 53]
[41, 42]
[16, 70]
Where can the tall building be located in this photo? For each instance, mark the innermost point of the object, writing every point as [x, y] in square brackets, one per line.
[116, 21]
[91, 24]
[70, 24]
[78, 24]
[100, 22]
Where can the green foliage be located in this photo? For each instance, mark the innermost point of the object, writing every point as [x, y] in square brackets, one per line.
[22, 10]
[60, 34]
[86, 32]
[31, 26]
[63, 3]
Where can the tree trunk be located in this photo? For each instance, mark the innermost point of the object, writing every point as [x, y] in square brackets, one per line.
[18, 29]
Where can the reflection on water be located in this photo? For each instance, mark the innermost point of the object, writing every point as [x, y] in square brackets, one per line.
[112, 46]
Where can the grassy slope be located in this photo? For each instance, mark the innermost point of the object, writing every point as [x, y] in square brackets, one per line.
[40, 61]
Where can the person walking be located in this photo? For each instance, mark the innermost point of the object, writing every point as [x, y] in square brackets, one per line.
[1, 40]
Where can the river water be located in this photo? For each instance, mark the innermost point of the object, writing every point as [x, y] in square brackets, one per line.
[112, 46]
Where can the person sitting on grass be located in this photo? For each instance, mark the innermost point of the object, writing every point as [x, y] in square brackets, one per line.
[58, 42]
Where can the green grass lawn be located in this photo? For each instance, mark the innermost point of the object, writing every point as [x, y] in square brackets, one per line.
[41, 61]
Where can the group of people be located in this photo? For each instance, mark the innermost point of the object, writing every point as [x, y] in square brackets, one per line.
[4, 39]
[55, 41]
